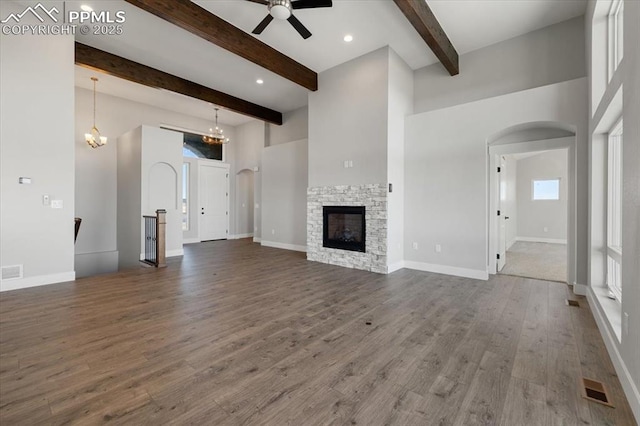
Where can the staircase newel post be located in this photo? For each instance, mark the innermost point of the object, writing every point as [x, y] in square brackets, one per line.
[161, 235]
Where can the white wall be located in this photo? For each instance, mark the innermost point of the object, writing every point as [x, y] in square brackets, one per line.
[399, 106]
[348, 121]
[549, 55]
[446, 173]
[284, 195]
[36, 133]
[129, 197]
[96, 170]
[245, 208]
[536, 215]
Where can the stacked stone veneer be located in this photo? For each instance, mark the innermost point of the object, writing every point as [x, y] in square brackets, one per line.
[374, 199]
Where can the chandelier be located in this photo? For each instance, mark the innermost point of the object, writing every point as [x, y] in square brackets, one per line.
[216, 136]
[93, 138]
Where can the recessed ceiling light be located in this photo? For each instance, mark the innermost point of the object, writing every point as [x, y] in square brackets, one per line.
[86, 8]
[348, 38]
[259, 81]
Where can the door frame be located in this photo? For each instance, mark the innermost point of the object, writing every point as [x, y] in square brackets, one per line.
[217, 164]
[494, 152]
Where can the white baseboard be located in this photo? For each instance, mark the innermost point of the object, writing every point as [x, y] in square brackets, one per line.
[284, 246]
[610, 341]
[579, 289]
[510, 243]
[190, 240]
[175, 253]
[257, 239]
[541, 240]
[447, 270]
[240, 236]
[16, 284]
[395, 267]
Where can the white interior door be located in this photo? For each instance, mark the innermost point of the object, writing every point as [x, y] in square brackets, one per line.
[502, 226]
[214, 202]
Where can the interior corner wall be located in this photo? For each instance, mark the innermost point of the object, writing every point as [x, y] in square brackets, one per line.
[249, 141]
[400, 105]
[549, 55]
[447, 176]
[129, 197]
[36, 133]
[348, 122]
[284, 195]
[96, 172]
[536, 216]
[295, 127]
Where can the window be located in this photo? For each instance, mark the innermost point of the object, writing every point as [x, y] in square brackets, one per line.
[614, 212]
[194, 147]
[185, 196]
[616, 35]
[547, 189]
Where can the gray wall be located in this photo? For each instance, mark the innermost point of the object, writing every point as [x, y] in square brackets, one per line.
[348, 121]
[400, 105]
[129, 197]
[535, 216]
[284, 195]
[36, 130]
[446, 172]
[295, 127]
[549, 55]
[247, 151]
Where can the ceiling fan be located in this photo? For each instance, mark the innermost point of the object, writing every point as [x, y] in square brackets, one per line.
[283, 9]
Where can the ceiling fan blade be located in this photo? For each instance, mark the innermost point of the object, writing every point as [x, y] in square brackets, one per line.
[310, 4]
[263, 2]
[263, 24]
[304, 32]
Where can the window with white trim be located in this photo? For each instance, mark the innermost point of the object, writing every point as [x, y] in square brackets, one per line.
[616, 35]
[614, 212]
[545, 189]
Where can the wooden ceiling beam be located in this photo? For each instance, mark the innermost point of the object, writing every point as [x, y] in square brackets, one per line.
[425, 22]
[197, 20]
[90, 57]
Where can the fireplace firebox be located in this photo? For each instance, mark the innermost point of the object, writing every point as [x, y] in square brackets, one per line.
[344, 227]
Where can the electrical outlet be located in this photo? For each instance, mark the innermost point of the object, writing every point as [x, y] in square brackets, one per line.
[273, 232]
[546, 229]
[346, 164]
[438, 248]
[46, 200]
[415, 246]
[56, 204]
[625, 324]
[350, 163]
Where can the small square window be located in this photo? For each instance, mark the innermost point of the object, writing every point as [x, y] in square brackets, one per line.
[547, 189]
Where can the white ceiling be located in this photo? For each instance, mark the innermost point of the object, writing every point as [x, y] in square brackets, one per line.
[470, 24]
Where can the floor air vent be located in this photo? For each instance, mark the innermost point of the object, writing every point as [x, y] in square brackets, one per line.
[595, 391]
[573, 303]
[11, 272]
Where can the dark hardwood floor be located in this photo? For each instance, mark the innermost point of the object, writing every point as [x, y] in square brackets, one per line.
[235, 333]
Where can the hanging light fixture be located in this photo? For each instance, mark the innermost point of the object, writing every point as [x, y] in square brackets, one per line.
[216, 137]
[93, 138]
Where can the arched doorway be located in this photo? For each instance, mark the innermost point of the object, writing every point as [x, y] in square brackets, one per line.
[520, 141]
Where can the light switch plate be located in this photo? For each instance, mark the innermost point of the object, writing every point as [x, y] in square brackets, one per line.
[56, 204]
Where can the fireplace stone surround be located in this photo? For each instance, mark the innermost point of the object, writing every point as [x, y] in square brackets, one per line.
[374, 198]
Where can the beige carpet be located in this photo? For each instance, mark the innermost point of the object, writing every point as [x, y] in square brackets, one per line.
[537, 260]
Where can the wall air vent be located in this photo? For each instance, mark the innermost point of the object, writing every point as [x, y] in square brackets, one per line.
[11, 272]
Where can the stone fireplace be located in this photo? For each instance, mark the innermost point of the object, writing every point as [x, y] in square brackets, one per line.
[347, 226]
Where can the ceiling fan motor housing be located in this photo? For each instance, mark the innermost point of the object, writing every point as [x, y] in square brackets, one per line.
[280, 9]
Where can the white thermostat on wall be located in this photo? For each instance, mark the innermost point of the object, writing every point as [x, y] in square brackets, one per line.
[24, 180]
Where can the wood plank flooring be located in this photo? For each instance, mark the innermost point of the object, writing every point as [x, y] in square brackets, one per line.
[235, 333]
